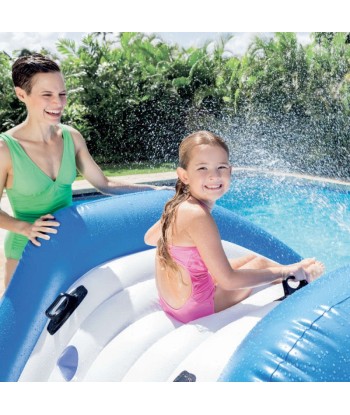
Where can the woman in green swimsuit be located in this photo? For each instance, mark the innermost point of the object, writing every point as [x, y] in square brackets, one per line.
[39, 158]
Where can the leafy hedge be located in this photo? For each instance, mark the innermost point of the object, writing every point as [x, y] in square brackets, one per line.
[134, 97]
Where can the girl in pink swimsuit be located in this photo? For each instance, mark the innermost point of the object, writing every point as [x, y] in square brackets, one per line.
[193, 275]
[201, 300]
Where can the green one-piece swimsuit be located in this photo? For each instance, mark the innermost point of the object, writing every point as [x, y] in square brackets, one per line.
[33, 192]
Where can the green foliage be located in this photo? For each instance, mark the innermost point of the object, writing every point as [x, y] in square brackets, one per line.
[11, 111]
[133, 97]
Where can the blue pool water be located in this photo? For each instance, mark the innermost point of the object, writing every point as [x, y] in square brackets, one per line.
[313, 218]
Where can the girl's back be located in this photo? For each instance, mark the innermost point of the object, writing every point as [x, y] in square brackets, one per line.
[187, 292]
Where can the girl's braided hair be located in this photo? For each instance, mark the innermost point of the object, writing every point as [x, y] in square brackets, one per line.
[182, 193]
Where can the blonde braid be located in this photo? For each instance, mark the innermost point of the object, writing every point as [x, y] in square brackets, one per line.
[166, 222]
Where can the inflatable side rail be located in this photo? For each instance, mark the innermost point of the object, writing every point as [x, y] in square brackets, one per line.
[305, 339]
[91, 234]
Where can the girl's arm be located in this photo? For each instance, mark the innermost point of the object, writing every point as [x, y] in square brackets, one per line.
[153, 234]
[202, 229]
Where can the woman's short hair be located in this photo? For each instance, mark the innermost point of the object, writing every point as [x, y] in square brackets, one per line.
[26, 67]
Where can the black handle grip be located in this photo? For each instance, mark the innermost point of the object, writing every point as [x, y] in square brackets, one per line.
[289, 289]
[63, 306]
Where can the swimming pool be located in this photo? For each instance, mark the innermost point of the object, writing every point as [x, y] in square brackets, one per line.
[311, 217]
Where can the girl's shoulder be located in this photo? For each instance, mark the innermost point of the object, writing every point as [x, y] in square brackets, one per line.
[191, 218]
[192, 210]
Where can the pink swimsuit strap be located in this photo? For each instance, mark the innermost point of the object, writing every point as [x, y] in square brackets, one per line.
[201, 301]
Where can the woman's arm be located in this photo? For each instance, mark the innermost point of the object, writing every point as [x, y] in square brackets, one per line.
[41, 227]
[94, 175]
[7, 222]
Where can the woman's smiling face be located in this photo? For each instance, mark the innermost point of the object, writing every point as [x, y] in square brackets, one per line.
[47, 98]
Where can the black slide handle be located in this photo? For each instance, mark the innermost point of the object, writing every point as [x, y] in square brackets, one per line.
[63, 306]
[289, 289]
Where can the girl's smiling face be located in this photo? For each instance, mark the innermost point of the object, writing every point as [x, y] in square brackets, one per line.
[208, 173]
[47, 98]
